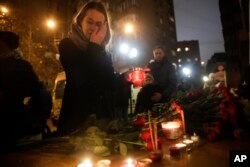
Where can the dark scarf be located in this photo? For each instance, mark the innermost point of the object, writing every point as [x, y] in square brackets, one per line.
[77, 36]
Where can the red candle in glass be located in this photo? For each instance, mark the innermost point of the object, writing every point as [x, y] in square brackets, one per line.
[177, 149]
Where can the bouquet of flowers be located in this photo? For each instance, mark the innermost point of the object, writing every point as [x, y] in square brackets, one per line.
[211, 112]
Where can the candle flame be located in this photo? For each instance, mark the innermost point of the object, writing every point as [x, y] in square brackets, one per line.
[170, 125]
[129, 161]
[85, 163]
[180, 145]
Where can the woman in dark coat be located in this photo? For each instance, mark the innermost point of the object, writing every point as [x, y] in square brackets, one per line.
[89, 71]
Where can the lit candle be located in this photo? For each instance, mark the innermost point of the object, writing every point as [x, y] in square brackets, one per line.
[189, 144]
[171, 129]
[146, 162]
[129, 163]
[187, 141]
[177, 149]
[85, 163]
[103, 163]
[195, 138]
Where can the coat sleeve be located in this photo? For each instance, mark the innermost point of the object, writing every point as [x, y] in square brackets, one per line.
[171, 82]
[28, 80]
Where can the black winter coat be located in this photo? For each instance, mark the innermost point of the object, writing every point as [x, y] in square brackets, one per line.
[89, 84]
[165, 76]
[17, 81]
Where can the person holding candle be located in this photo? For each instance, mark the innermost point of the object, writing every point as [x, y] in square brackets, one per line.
[164, 74]
[90, 78]
[145, 96]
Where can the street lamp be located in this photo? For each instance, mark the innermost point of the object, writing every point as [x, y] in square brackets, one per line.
[133, 53]
[186, 71]
[5, 21]
[52, 42]
[125, 49]
[4, 10]
[51, 24]
[129, 28]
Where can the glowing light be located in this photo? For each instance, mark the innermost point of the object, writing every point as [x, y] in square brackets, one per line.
[186, 71]
[124, 48]
[129, 28]
[205, 78]
[133, 53]
[85, 163]
[51, 24]
[4, 10]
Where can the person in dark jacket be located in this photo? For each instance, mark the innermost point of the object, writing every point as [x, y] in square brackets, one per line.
[164, 74]
[89, 71]
[145, 101]
[18, 82]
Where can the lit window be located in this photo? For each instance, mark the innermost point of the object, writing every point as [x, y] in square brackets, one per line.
[196, 59]
[161, 20]
[173, 52]
[175, 65]
[178, 49]
[171, 18]
[179, 60]
[186, 48]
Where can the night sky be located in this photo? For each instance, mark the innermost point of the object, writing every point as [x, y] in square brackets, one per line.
[200, 20]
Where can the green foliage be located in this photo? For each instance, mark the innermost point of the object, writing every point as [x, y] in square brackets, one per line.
[35, 46]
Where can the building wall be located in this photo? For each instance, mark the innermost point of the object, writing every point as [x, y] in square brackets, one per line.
[154, 25]
[235, 23]
[188, 55]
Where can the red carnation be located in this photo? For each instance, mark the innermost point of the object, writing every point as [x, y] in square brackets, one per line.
[145, 134]
[139, 120]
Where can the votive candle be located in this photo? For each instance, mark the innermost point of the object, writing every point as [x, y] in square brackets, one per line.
[177, 149]
[171, 129]
[85, 163]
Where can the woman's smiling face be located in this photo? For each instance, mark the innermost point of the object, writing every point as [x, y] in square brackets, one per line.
[92, 21]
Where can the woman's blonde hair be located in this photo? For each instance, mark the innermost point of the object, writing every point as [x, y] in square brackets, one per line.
[99, 6]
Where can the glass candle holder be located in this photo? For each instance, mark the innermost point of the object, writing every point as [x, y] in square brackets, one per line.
[189, 144]
[129, 163]
[172, 130]
[145, 162]
[103, 163]
[177, 149]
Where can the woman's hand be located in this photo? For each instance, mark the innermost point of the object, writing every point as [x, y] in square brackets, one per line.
[99, 34]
